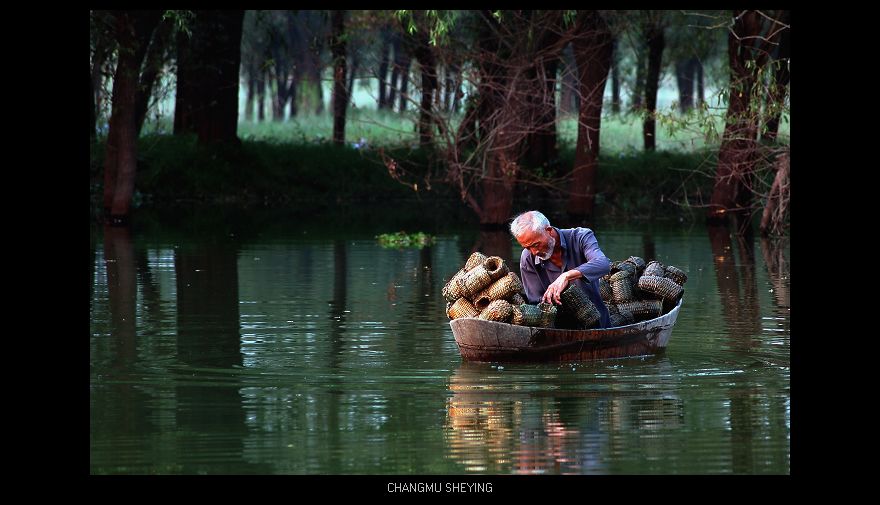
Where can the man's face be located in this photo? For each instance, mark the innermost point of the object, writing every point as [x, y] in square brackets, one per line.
[539, 243]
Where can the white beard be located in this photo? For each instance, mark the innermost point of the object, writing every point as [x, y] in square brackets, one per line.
[546, 255]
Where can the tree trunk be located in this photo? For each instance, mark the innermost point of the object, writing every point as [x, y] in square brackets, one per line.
[541, 143]
[340, 98]
[592, 48]
[208, 77]
[776, 208]
[103, 47]
[133, 31]
[732, 193]
[639, 85]
[352, 75]
[428, 67]
[782, 76]
[153, 64]
[497, 187]
[684, 77]
[568, 99]
[701, 93]
[615, 80]
[249, 101]
[93, 120]
[656, 43]
[261, 95]
[384, 49]
[395, 70]
[404, 83]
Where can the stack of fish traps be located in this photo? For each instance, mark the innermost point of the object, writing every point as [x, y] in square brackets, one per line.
[486, 288]
[637, 291]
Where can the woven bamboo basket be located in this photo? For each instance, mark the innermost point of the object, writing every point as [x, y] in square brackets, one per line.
[461, 308]
[452, 289]
[660, 286]
[676, 275]
[527, 315]
[481, 276]
[641, 310]
[475, 259]
[481, 301]
[498, 310]
[626, 266]
[575, 301]
[605, 290]
[548, 314]
[638, 262]
[621, 287]
[503, 288]
[654, 268]
[516, 299]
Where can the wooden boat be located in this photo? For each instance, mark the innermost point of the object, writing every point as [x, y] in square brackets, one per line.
[482, 340]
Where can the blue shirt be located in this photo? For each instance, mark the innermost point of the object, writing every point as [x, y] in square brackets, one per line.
[580, 251]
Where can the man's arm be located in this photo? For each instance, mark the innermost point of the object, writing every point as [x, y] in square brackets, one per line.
[529, 278]
[597, 263]
[596, 266]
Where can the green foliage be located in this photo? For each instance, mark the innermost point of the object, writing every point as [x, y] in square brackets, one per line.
[401, 239]
[182, 20]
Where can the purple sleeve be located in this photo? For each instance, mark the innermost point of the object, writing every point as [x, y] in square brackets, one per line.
[529, 277]
[597, 263]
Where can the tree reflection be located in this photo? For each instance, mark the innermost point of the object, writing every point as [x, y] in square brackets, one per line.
[773, 251]
[126, 414]
[496, 243]
[740, 309]
[208, 343]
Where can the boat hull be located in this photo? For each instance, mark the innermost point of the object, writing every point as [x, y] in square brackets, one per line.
[482, 340]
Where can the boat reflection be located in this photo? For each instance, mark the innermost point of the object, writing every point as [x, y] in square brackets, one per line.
[536, 421]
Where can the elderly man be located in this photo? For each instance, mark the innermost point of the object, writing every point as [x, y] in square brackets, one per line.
[553, 258]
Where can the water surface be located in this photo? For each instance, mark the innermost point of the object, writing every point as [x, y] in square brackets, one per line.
[226, 345]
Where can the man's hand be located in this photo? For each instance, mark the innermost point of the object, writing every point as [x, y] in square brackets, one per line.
[555, 290]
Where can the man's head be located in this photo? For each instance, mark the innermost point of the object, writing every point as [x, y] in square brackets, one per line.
[533, 232]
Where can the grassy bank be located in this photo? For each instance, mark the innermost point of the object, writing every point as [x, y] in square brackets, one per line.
[293, 162]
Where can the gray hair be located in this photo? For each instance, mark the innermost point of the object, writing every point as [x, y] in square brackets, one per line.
[529, 220]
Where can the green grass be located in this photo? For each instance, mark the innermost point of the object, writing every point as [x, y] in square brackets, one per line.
[294, 161]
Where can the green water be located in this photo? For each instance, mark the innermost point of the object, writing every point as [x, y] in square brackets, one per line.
[223, 344]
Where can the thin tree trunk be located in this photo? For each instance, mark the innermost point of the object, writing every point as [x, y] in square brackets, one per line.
[459, 93]
[639, 84]
[615, 80]
[120, 163]
[428, 66]
[568, 102]
[384, 48]
[249, 101]
[355, 66]
[776, 208]
[152, 72]
[404, 84]
[260, 83]
[684, 77]
[656, 43]
[701, 94]
[542, 142]
[103, 47]
[449, 87]
[395, 71]
[592, 48]
[340, 98]
[93, 120]
[781, 76]
[732, 193]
